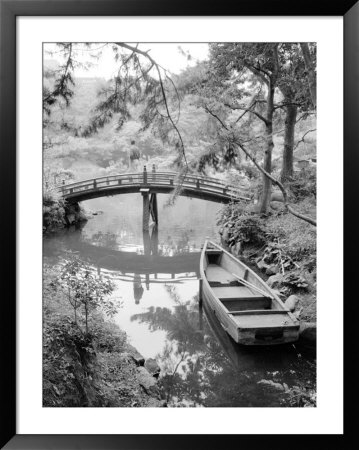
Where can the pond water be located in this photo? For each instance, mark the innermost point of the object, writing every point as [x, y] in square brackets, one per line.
[156, 279]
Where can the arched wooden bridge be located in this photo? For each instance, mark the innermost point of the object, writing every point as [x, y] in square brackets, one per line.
[205, 188]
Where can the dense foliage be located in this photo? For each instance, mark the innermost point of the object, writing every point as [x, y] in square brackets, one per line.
[85, 369]
[53, 211]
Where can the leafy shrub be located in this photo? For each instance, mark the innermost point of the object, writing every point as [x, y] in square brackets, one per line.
[73, 360]
[108, 337]
[53, 210]
[242, 224]
[295, 281]
[297, 236]
[304, 185]
[249, 229]
[250, 171]
[86, 291]
[68, 364]
[72, 370]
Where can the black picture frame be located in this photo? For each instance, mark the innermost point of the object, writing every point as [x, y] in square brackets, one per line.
[9, 10]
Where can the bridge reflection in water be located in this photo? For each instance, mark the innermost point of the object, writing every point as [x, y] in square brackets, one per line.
[149, 264]
[147, 268]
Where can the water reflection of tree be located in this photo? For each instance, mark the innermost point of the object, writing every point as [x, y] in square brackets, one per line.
[196, 371]
[107, 240]
[193, 361]
[175, 245]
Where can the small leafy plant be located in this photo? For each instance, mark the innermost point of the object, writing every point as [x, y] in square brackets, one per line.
[86, 291]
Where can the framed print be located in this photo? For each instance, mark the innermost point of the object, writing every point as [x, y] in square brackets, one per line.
[180, 282]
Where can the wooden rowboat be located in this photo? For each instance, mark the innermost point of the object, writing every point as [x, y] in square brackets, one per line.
[250, 312]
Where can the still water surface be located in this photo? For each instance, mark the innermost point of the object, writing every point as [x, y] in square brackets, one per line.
[156, 278]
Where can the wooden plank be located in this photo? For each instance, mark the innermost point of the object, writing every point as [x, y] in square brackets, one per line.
[235, 292]
[263, 312]
[238, 299]
[247, 304]
[255, 320]
[220, 284]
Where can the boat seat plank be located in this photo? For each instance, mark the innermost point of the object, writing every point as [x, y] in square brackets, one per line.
[214, 252]
[239, 299]
[243, 304]
[264, 312]
[220, 284]
[235, 292]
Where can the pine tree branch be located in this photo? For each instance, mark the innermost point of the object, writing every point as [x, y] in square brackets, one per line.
[302, 138]
[283, 105]
[215, 116]
[169, 115]
[61, 82]
[258, 72]
[158, 67]
[248, 110]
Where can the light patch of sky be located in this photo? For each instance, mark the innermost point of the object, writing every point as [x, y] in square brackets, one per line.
[167, 55]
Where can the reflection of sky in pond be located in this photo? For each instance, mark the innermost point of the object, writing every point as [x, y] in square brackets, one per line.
[186, 224]
[148, 343]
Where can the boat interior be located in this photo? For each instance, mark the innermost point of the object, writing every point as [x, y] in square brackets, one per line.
[235, 286]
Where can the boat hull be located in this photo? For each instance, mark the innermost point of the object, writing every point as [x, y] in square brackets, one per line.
[262, 327]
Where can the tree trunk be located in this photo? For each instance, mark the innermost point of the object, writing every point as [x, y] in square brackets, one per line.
[86, 319]
[267, 166]
[287, 164]
[310, 72]
[267, 162]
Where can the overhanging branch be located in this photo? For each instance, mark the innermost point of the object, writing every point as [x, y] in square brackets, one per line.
[288, 207]
[280, 185]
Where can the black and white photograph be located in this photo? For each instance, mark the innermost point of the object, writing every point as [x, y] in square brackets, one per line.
[179, 187]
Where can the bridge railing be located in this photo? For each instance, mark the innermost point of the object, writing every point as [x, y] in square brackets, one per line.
[206, 184]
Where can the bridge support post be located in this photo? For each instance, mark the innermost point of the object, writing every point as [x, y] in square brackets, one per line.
[146, 209]
[154, 241]
[154, 208]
